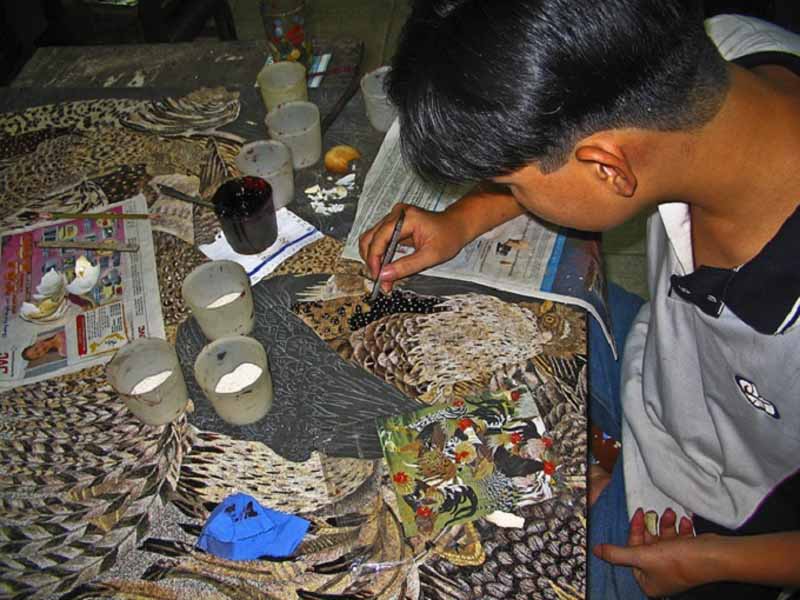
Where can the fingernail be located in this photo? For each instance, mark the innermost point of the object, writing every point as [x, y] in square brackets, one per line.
[651, 522]
[388, 273]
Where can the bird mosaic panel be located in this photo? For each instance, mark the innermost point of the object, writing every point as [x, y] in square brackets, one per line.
[446, 341]
[94, 504]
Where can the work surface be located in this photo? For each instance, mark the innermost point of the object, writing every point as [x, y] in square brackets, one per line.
[93, 504]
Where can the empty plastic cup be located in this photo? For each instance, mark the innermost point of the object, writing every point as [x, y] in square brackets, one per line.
[380, 112]
[296, 124]
[282, 82]
[272, 161]
[246, 213]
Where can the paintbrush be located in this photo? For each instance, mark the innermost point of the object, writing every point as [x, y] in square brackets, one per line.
[388, 255]
[108, 245]
[178, 195]
[31, 215]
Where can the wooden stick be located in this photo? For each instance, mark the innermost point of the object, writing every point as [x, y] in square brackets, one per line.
[49, 216]
[108, 245]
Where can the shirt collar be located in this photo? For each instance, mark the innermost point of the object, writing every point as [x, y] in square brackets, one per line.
[764, 292]
[678, 224]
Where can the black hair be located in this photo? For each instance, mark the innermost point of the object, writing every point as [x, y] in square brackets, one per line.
[486, 87]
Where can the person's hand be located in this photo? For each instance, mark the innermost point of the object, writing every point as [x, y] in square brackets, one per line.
[436, 237]
[667, 563]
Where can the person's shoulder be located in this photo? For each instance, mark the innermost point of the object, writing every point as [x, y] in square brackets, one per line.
[737, 35]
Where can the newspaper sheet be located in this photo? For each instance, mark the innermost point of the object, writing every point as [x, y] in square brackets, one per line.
[524, 256]
[67, 309]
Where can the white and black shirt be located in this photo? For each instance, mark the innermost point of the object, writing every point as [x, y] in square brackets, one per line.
[711, 374]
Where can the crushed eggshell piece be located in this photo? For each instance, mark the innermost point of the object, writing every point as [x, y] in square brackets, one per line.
[347, 181]
[338, 192]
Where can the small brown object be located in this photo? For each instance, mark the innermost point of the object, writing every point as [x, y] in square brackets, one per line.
[338, 159]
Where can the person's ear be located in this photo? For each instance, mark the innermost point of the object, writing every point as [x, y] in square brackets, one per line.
[610, 165]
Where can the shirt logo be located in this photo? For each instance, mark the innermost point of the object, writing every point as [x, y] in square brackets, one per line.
[750, 392]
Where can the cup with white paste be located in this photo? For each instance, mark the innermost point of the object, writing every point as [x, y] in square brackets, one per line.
[147, 375]
[219, 295]
[234, 374]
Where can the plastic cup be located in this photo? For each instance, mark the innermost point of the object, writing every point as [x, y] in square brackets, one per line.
[380, 112]
[282, 82]
[246, 213]
[219, 296]
[237, 400]
[147, 375]
[272, 161]
[296, 124]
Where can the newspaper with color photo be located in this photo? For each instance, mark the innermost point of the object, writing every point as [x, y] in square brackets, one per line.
[65, 309]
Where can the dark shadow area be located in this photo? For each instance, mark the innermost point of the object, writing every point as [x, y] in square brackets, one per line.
[25, 26]
[785, 13]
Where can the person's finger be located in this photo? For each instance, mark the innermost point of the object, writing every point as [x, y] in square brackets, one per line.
[364, 242]
[685, 527]
[366, 246]
[666, 525]
[617, 555]
[405, 266]
[381, 236]
[637, 529]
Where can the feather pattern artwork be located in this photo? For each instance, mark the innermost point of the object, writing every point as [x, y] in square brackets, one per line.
[333, 562]
[53, 156]
[546, 559]
[80, 481]
[321, 402]
[201, 111]
[469, 337]
[218, 464]
[88, 495]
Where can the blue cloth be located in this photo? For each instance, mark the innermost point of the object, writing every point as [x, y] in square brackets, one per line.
[609, 522]
[241, 529]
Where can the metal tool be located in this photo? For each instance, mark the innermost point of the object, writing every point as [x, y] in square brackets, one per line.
[388, 255]
[178, 195]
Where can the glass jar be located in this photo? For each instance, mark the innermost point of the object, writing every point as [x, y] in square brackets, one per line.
[285, 27]
[246, 214]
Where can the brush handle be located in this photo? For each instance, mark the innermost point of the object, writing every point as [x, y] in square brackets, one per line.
[110, 245]
[178, 195]
[94, 216]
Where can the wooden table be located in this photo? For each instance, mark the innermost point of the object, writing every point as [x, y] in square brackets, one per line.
[91, 498]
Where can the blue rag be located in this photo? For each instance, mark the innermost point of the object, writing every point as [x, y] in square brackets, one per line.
[241, 529]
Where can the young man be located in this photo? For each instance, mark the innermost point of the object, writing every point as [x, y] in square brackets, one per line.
[586, 113]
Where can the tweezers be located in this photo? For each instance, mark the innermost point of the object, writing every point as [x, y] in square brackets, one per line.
[388, 256]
